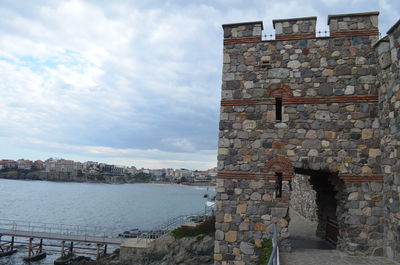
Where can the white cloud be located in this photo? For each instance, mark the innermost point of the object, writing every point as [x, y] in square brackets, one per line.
[180, 143]
[129, 80]
[151, 158]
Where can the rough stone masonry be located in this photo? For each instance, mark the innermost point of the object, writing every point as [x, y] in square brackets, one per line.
[319, 108]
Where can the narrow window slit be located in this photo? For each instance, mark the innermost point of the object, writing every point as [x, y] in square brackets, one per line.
[278, 186]
[278, 109]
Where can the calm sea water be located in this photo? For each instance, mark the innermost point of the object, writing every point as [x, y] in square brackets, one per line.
[123, 206]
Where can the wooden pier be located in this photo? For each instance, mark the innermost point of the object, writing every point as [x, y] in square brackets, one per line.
[64, 237]
[67, 238]
[73, 240]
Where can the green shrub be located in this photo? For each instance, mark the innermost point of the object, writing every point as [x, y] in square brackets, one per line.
[100, 178]
[204, 228]
[266, 249]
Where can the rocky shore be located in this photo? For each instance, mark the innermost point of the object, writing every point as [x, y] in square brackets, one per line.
[164, 251]
[74, 177]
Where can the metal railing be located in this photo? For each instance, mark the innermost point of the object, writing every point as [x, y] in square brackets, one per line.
[85, 231]
[322, 33]
[59, 229]
[175, 222]
[274, 258]
[266, 36]
[318, 34]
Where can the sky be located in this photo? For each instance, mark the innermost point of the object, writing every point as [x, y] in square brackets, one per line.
[134, 83]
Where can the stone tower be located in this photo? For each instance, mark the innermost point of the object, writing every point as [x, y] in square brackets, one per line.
[324, 108]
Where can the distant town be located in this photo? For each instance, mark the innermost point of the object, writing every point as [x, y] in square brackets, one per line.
[59, 169]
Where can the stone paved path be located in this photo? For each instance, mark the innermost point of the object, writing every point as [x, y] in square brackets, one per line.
[328, 257]
[309, 250]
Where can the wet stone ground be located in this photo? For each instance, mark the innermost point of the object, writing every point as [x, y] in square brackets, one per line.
[328, 257]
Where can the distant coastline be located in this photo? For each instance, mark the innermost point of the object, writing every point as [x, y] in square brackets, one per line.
[42, 175]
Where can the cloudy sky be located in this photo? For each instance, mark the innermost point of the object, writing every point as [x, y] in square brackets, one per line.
[130, 82]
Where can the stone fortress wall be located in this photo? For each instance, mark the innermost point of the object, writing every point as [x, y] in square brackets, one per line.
[303, 197]
[388, 55]
[305, 103]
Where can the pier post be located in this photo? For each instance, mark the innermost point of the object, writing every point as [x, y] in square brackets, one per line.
[30, 247]
[105, 249]
[12, 243]
[40, 246]
[71, 248]
[62, 248]
[98, 252]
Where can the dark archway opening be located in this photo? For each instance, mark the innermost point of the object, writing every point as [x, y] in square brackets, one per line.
[313, 210]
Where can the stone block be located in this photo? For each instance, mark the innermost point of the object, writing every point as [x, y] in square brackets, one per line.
[281, 125]
[373, 152]
[367, 134]
[330, 134]
[219, 235]
[279, 212]
[249, 125]
[267, 197]
[367, 211]
[266, 217]
[311, 134]
[325, 144]
[323, 115]
[325, 89]
[366, 170]
[312, 152]
[244, 226]
[255, 196]
[278, 73]
[218, 257]
[353, 196]
[241, 208]
[376, 186]
[377, 211]
[231, 236]
[283, 223]
[353, 220]
[294, 64]
[227, 218]
[311, 144]
[372, 220]
[228, 77]
[259, 226]
[246, 248]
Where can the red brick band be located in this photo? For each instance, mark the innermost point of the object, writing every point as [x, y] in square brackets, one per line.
[249, 175]
[337, 99]
[300, 36]
[242, 40]
[263, 176]
[357, 178]
[245, 102]
[349, 33]
[301, 100]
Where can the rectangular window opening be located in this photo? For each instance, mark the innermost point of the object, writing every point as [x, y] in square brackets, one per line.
[278, 109]
[278, 186]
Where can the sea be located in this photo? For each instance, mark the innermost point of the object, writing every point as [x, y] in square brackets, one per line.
[117, 207]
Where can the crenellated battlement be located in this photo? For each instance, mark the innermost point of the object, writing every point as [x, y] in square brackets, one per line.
[295, 28]
[353, 24]
[243, 32]
[340, 25]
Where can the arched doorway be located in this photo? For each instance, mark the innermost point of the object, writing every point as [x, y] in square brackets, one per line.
[313, 211]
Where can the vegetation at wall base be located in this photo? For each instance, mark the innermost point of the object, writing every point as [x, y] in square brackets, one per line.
[204, 228]
[266, 251]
